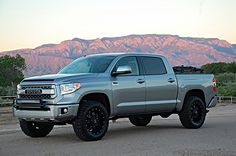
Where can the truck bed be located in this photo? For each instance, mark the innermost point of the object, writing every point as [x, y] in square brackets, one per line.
[196, 82]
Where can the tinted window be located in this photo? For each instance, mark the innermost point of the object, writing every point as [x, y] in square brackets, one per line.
[129, 61]
[153, 66]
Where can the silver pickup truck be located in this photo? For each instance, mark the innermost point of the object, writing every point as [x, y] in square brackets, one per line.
[94, 89]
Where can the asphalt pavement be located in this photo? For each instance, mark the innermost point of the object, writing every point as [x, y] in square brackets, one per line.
[162, 137]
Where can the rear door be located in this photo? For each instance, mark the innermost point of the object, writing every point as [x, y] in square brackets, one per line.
[161, 87]
[128, 89]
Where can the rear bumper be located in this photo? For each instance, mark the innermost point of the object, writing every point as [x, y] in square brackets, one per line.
[213, 102]
[52, 113]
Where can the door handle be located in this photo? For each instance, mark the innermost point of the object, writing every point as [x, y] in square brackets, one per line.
[115, 83]
[171, 80]
[140, 81]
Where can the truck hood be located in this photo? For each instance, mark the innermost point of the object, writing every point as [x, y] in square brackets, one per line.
[60, 77]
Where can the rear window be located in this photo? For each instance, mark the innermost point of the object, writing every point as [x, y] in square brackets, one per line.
[153, 66]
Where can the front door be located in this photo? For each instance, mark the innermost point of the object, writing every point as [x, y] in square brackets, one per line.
[128, 89]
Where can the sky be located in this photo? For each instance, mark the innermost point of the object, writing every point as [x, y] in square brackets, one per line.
[31, 23]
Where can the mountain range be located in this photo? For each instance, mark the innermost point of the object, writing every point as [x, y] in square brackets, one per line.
[50, 58]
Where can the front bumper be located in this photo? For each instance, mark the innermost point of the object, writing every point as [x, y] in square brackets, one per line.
[213, 102]
[50, 113]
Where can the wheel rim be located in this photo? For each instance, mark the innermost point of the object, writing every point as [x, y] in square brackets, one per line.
[95, 121]
[197, 112]
[35, 126]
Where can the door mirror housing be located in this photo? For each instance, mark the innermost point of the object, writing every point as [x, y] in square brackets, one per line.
[122, 70]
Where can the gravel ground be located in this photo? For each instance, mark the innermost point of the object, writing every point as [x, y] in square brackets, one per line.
[161, 137]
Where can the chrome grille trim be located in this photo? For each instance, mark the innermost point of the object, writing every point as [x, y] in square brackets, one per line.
[38, 86]
[47, 92]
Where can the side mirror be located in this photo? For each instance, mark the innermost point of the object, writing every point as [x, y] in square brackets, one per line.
[122, 70]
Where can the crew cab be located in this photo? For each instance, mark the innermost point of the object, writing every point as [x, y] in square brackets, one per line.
[96, 88]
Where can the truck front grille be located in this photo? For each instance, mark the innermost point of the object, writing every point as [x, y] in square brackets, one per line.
[31, 92]
[38, 87]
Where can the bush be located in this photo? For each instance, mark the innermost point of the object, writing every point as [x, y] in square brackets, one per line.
[226, 84]
[228, 89]
[7, 91]
[226, 77]
[219, 67]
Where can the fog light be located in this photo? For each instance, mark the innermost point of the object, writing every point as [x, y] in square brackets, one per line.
[64, 110]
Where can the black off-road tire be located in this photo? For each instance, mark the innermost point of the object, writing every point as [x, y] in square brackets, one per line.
[165, 115]
[140, 120]
[35, 129]
[92, 121]
[193, 113]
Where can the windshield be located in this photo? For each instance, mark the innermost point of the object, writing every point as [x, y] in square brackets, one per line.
[88, 64]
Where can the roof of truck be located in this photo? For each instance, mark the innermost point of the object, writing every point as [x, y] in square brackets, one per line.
[130, 53]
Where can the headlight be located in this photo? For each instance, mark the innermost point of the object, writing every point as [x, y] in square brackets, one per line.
[69, 88]
[18, 87]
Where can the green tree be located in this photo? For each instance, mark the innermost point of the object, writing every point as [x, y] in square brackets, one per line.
[215, 68]
[220, 67]
[11, 70]
[231, 67]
